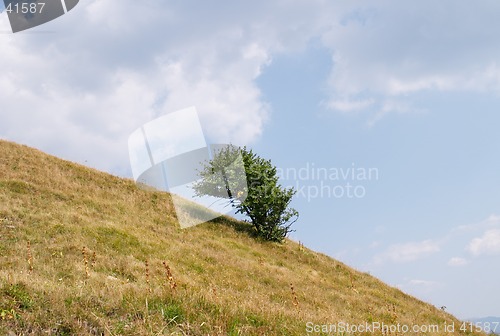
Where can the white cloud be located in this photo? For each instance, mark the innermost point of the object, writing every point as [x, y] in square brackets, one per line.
[492, 221]
[108, 67]
[456, 262]
[347, 105]
[488, 243]
[407, 252]
[424, 283]
[419, 287]
[393, 106]
[392, 50]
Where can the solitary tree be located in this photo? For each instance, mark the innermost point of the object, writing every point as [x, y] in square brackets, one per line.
[251, 185]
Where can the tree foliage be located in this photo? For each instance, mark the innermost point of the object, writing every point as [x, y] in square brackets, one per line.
[251, 185]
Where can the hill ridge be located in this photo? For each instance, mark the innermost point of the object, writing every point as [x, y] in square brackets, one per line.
[84, 252]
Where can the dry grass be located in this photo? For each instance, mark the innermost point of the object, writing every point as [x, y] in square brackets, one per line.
[226, 283]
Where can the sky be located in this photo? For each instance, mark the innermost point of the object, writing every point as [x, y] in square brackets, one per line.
[384, 116]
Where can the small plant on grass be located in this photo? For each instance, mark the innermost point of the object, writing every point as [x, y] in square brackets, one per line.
[8, 314]
[30, 258]
[169, 277]
[94, 258]
[351, 278]
[85, 261]
[146, 264]
[295, 301]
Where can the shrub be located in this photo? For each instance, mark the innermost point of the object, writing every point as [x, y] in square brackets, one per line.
[251, 185]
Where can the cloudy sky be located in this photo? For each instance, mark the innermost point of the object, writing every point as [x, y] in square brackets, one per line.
[409, 90]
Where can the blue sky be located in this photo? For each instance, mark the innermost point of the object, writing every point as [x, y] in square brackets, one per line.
[410, 89]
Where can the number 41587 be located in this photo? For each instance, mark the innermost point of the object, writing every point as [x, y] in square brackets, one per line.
[487, 327]
[25, 8]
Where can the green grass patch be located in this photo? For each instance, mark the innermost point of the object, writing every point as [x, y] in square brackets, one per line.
[19, 295]
[18, 187]
[117, 240]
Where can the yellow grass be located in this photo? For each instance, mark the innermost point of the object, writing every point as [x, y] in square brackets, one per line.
[107, 258]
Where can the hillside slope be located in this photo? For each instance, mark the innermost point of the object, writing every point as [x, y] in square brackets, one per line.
[82, 253]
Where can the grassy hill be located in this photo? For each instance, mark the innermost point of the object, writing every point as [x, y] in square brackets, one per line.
[86, 253]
